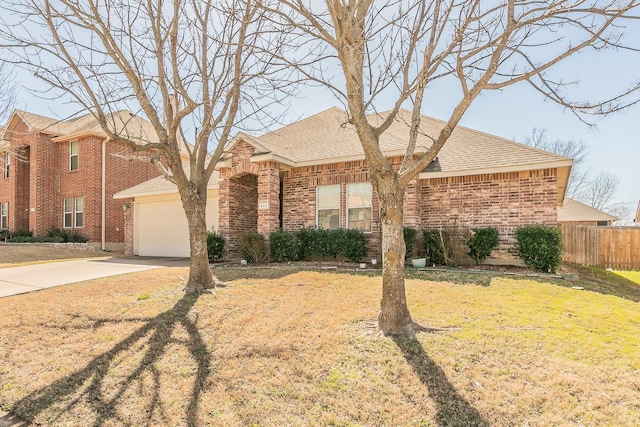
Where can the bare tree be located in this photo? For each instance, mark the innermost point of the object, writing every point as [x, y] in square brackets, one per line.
[600, 192]
[196, 67]
[8, 92]
[391, 51]
[576, 150]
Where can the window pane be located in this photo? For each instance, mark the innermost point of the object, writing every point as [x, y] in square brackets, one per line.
[79, 219]
[329, 197]
[67, 220]
[67, 215]
[79, 204]
[329, 219]
[359, 194]
[4, 211]
[73, 155]
[360, 219]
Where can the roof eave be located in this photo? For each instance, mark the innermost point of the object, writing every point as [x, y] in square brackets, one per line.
[77, 135]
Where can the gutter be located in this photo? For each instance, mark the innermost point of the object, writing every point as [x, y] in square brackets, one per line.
[103, 213]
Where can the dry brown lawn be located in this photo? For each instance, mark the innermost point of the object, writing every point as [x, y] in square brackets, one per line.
[299, 350]
[12, 255]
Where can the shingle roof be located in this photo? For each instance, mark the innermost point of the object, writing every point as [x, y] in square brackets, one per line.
[157, 186]
[327, 136]
[572, 210]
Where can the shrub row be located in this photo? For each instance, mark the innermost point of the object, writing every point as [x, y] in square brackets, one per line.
[539, 246]
[306, 243]
[54, 235]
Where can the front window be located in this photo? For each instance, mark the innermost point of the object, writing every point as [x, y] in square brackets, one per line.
[73, 156]
[7, 163]
[4, 215]
[328, 207]
[73, 212]
[359, 206]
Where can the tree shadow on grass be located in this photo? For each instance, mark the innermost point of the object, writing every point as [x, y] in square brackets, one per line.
[86, 386]
[452, 408]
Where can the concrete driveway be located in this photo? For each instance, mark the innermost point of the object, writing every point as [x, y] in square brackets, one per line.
[29, 278]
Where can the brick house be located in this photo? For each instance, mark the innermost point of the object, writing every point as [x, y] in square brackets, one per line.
[312, 173]
[64, 174]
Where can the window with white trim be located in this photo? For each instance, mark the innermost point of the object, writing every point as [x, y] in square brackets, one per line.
[4, 215]
[73, 155]
[328, 207]
[359, 206]
[73, 212]
[7, 165]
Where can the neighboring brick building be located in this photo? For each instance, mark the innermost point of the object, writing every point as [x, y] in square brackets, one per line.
[64, 174]
[312, 173]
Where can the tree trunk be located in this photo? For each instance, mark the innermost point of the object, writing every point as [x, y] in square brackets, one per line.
[394, 318]
[200, 277]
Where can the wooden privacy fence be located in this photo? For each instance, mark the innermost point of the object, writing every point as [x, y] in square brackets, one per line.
[609, 247]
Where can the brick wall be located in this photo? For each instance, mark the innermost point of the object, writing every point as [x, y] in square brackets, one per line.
[506, 201]
[37, 187]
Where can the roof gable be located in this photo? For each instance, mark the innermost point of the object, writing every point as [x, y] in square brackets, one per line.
[572, 210]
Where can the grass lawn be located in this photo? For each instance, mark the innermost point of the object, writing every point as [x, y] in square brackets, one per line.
[634, 276]
[13, 255]
[299, 349]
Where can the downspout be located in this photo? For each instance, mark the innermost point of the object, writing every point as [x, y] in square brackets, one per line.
[103, 214]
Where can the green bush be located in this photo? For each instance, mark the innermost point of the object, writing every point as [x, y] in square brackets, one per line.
[306, 243]
[435, 242]
[352, 245]
[215, 246]
[283, 246]
[64, 236]
[409, 235]
[331, 244]
[540, 247]
[253, 247]
[482, 242]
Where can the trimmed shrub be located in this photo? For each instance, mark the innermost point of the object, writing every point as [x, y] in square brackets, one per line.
[482, 242]
[409, 235]
[540, 247]
[350, 244]
[353, 245]
[253, 247]
[64, 236]
[21, 233]
[215, 246]
[283, 246]
[306, 242]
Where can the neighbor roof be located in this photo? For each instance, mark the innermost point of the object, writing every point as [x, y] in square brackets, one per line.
[572, 210]
[158, 186]
[327, 137]
[122, 122]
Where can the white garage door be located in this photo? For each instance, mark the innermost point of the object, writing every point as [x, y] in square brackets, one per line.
[160, 226]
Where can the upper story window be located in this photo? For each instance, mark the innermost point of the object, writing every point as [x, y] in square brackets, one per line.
[359, 206]
[73, 212]
[73, 156]
[4, 215]
[328, 206]
[7, 164]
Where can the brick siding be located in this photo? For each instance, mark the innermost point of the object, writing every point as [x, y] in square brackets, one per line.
[37, 186]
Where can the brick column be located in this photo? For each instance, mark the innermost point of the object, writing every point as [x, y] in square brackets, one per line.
[268, 198]
[224, 210]
[127, 206]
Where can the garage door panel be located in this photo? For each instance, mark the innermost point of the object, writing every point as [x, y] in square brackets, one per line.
[161, 227]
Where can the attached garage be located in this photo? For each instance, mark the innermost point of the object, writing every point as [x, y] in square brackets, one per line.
[159, 226]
